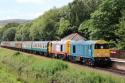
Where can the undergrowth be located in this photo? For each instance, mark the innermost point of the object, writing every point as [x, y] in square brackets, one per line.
[29, 69]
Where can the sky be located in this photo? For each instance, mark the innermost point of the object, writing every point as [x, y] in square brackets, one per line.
[27, 9]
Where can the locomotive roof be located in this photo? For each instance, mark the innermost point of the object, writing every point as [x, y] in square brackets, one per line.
[90, 42]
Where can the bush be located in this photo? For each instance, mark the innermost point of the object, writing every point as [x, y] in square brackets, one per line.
[16, 53]
[49, 67]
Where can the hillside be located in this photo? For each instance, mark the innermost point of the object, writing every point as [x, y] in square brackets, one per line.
[4, 22]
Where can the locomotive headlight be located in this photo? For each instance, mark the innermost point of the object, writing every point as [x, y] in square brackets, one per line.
[97, 54]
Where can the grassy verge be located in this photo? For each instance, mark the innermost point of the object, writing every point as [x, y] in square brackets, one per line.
[29, 69]
[6, 77]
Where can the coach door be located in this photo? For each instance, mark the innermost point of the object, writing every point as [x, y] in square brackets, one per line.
[50, 47]
[90, 50]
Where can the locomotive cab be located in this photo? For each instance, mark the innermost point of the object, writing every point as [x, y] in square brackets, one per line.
[101, 52]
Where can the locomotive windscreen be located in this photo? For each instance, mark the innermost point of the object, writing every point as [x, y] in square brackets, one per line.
[101, 46]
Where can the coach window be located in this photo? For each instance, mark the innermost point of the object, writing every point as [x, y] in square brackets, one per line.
[74, 49]
[43, 45]
[61, 47]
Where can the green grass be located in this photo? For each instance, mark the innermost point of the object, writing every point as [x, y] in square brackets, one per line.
[6, 77]
[19, 67]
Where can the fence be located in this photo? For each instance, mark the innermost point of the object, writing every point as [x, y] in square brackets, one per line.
[117, 54]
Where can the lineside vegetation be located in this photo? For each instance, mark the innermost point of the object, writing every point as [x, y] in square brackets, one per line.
[16, 67]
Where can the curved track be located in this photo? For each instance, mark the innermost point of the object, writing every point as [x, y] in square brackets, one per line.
[113, 70]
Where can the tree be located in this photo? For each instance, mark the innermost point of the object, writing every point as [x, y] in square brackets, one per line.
[6, 27]
[105, 19]
[121, 32]
[48, 31]
[80, 10]
[23, 31]
[34, 34]
[1, 33]
[9, 34]
[63, 27]
[85, 29]
[45, 27]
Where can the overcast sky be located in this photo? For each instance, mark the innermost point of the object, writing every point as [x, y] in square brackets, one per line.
[27, 9]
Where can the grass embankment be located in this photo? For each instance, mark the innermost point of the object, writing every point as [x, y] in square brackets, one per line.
[17, 67]
[6, 77]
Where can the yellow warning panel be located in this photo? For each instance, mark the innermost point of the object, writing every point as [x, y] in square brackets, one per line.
[68, 47]
[101, 53]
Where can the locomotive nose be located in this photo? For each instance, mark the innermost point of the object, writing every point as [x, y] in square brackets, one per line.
[102, 53]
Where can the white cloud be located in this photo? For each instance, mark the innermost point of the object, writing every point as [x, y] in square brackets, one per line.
[30, 9]
[33, 1]
[14, 14]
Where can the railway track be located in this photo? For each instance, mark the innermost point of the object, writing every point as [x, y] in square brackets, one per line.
[109, 69]
[113, 70]
[122, 72]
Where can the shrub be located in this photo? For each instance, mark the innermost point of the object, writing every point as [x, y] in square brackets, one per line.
[16, 53]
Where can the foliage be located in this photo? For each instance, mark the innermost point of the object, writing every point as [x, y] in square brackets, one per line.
[45, 27]
[120, 32]
[48, 31]
[63, 26]
[9, 34]
[22, 32]
[104, 19]
[80, 10]
[3, 31]
[93, 19]
[85, 28]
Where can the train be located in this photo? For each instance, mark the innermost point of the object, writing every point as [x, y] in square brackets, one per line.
[88, 52]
